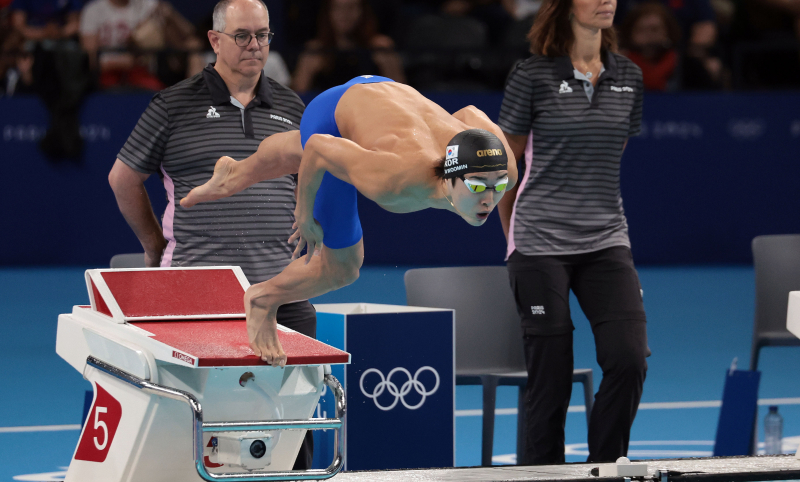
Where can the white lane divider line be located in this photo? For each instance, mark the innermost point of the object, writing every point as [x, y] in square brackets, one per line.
[479, 412]
[40, 428]
[43, 477]
[644, 406]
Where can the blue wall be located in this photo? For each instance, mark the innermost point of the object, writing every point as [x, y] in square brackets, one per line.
[710, 172]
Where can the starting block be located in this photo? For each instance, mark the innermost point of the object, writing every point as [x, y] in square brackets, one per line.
[166, 349]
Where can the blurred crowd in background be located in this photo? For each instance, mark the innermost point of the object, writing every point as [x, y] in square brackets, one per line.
[63, 49]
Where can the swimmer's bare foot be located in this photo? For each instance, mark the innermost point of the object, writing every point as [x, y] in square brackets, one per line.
[262, 326]
[219, 186]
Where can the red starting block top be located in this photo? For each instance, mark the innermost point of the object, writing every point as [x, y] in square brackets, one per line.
[216, 343]
[168, 293]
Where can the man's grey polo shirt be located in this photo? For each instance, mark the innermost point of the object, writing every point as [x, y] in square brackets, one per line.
[569, 199]
[184, 131]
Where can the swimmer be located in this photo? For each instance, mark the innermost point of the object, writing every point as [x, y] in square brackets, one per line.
[385, 140]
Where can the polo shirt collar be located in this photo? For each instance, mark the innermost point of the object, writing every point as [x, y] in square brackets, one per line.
[220, 93]
[566, 71]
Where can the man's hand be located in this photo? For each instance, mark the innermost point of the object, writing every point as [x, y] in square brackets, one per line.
[219, 186]
[262, 327]
[306, 234]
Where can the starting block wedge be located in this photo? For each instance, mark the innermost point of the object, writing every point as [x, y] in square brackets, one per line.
[178, 393]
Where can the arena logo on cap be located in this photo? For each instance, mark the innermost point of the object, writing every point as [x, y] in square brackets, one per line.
[490, 152]
[452, 152]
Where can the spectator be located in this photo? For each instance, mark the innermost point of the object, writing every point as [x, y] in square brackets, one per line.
[46, 19]
[649, 36]
[59, 71]
[347, 45]
[697, 22]
[105, 29]
[110, 26]
[16, 67]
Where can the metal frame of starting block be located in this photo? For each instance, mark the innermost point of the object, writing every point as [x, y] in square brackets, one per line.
[155, 339]
[201, 427]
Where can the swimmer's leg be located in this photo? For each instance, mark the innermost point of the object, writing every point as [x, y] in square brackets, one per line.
[330, 270]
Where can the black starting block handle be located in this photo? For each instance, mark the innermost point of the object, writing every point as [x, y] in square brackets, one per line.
[200, 427]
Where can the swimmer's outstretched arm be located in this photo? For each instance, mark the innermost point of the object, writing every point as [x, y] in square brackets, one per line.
[277, 155]
[375, 174]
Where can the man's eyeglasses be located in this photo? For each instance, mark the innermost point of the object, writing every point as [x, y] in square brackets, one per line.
[476, 186]
[244, 39]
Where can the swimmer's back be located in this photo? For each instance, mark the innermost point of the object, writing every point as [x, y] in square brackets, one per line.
[377, 115]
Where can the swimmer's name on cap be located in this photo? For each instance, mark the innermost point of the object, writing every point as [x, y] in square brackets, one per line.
[474, 150]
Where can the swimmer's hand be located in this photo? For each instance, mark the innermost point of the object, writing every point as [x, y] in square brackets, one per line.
[307, 234]
[262, 327]
[219, 186]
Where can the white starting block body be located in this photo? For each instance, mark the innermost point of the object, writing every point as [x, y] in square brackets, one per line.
[161, 346]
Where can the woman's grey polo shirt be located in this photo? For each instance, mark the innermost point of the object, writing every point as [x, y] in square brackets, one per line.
[184, 131]
[569, 201]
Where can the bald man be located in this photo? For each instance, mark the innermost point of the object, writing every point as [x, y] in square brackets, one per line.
[229, 108]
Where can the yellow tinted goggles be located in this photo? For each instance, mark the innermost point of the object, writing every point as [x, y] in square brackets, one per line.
[476, 186]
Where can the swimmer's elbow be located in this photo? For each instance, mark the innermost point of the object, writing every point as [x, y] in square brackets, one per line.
[316, 143]
[292, 152]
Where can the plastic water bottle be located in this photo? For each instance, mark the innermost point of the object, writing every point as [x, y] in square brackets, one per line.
[773, 432]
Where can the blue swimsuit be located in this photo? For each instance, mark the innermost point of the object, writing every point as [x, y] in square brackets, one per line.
[336, 204]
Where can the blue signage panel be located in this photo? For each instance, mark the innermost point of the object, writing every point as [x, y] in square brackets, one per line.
[400, 390]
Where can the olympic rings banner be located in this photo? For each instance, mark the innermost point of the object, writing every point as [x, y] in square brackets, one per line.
[400, 385]
[387, 384]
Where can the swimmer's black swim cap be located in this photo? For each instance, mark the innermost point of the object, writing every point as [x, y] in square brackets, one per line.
[474, 150]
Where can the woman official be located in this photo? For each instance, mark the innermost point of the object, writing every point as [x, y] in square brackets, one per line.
[569, 110]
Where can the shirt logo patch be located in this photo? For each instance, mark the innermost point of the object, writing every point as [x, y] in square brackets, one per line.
[279, 118]
[452, 152]
[565, 88]
[537, 310]
[212, 113]
[621, 89]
